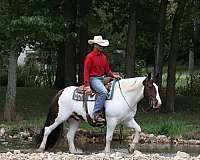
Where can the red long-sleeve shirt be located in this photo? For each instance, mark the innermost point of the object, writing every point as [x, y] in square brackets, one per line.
[96, 64]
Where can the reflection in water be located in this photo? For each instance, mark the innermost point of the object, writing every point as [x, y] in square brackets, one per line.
[162, 149]
[116, 146]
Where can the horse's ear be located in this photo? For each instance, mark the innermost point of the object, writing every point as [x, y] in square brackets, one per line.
[149, 76]
[156, 77]
[147, 79]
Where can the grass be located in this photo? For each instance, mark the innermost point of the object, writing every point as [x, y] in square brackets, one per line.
[33, 103]
[182, 124]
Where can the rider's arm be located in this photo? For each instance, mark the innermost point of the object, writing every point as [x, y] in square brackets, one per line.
[87, 66]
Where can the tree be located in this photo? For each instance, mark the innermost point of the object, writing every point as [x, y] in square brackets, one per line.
[60, 76]
[70, 10]
[12, 45]
[160, 41]
[83, 11]
[170, 93]
[131, 42]
[9, 108]
[18, 29]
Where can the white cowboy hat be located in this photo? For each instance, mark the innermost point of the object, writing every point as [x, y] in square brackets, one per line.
[99, 40]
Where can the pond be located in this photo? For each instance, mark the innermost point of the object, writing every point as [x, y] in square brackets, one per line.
[116, 146]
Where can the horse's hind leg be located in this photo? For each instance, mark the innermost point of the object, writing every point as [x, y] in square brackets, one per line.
[47, 131]
[133, 125]
[73, 126]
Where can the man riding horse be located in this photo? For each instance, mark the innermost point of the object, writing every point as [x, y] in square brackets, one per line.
[95, 68]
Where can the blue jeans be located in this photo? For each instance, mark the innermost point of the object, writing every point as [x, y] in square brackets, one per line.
[97, 85]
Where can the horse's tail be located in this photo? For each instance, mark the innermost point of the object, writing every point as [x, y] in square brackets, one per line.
[57, 132]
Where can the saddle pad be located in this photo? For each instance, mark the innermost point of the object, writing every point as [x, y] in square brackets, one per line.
[79, 97]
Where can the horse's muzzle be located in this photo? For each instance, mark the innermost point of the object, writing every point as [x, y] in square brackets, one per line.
[155, 103]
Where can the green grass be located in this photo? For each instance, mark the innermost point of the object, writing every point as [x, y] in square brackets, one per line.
[174, 125]
[33, 104]
[30, 102]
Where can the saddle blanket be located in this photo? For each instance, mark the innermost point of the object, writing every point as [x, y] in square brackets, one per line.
[79, 96]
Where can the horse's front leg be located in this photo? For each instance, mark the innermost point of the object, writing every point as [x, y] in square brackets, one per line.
[133, 125]
[73, 126]
[111, 124]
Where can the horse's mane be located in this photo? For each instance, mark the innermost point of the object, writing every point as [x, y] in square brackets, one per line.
[130, 84]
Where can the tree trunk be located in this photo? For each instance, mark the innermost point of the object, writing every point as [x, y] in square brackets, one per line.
[130, 53]
[160, 41]
[195, 38]
[171, 76]
[83, 8]
[9, 108]
[60, 79]
[191, 62]
[70, 11]
[70, 64]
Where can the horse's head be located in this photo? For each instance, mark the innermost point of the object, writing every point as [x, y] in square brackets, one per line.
[151, 91]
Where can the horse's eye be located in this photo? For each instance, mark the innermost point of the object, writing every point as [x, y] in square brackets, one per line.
[150, 86]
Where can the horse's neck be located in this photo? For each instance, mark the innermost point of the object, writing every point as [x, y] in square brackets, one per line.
[133, 89]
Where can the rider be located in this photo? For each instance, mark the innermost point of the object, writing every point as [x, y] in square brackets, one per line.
[95, 68]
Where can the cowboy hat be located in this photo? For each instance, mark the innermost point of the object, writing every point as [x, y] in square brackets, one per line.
[99, 40]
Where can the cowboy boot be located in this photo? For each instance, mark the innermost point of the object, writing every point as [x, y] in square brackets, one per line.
[98, 118]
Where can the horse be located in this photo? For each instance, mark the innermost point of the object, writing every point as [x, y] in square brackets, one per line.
[121, 109]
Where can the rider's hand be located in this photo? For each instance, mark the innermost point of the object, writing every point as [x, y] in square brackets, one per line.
[117, 76]
[88, 90]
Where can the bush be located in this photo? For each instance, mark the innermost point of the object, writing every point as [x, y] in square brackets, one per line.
[139, 67]
[27, 74]
[191, 87]
[170, 128]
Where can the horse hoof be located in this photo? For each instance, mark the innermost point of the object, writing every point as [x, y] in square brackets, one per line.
[76, 151]
[130, 149]
[40, 150]
[106, 152]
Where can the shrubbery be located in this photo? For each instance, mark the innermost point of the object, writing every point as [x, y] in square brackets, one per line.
[191, 87]
[29, 75]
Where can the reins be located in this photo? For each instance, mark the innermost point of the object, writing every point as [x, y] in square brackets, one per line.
[124, 96]
[131, 108]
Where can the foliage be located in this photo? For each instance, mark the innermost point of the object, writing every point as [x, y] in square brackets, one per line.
[173, 125]
[170, 128]
[34, 74]
[102, 15]
[192, 85]
[139, 69]
[40, 29]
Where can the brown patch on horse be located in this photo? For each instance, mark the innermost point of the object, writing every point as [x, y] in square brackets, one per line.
[53, 111]
[150, 91]
[76, 117]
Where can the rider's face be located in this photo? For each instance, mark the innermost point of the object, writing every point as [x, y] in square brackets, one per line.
[99, 48]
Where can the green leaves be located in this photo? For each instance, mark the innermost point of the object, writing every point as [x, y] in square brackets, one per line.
[39, 28]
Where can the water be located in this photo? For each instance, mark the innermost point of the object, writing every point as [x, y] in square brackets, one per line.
[116, 146]
[162, 149]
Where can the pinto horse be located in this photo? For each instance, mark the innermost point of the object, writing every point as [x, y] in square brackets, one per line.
[120, 109]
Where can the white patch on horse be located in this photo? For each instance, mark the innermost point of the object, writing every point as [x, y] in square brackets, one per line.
[157, 95]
